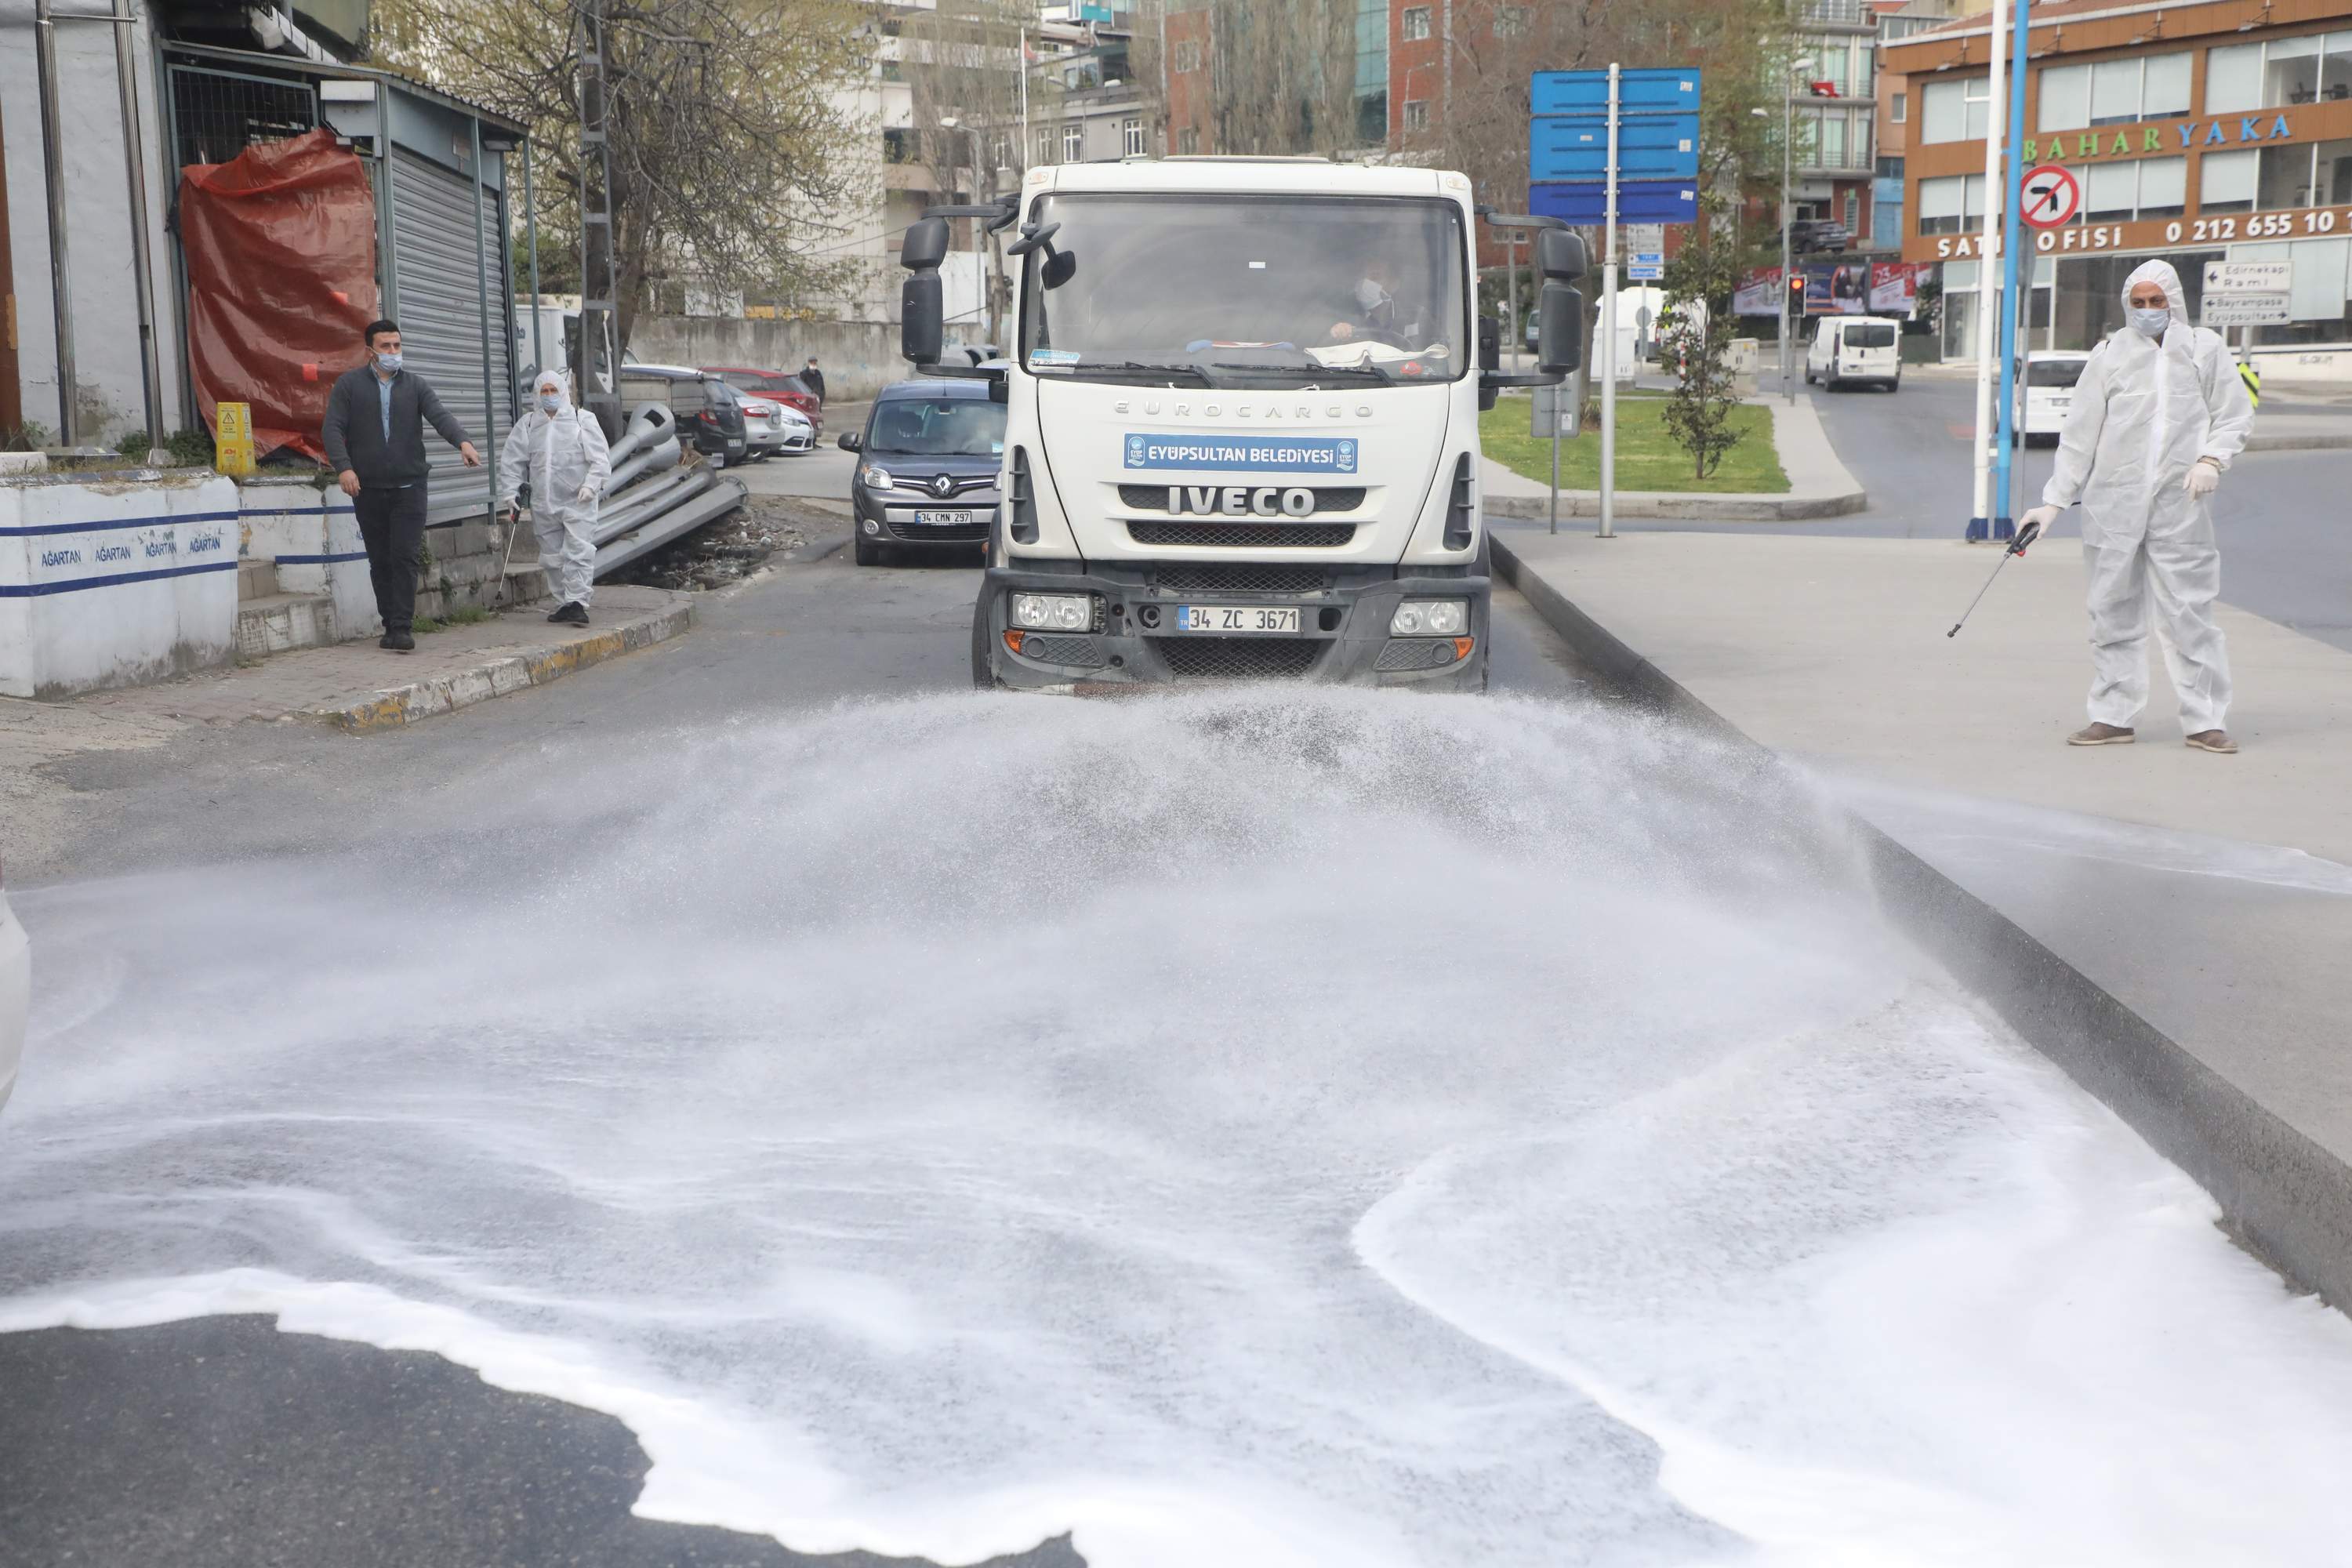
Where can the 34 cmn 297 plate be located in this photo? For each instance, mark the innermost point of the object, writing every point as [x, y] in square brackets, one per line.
[1239, 620]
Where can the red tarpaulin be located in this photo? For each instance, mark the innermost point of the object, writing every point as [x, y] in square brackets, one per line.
[281, 245]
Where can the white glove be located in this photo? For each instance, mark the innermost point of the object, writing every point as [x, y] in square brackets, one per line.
[2046, 516]
[587, 493]
[2204, 479]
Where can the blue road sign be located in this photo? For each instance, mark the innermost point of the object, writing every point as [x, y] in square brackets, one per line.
[1649, 147]
[1638, 92]
[1638, 201]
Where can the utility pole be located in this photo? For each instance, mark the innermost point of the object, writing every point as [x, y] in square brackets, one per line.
[53, 170]
[1788, 144]
[599, 336]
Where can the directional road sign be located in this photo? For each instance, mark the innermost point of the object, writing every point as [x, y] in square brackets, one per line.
[2051, 195]
[1638, 201]
[1649, 147]
[1638, 92]
[2245, 310]
[1647, 266]
[2249, 278]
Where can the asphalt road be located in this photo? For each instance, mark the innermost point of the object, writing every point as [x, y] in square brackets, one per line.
[222, 1442]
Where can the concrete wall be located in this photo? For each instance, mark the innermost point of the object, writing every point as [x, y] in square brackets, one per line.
[859, 358]
[114, 580]
[97, 226]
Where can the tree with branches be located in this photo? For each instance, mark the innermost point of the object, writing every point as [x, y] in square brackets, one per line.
[726, 141]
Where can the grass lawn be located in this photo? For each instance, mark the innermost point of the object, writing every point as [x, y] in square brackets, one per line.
[1647, 458]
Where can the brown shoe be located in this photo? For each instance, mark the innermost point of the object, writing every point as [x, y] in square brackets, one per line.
[2101, 735]
[2214, 740]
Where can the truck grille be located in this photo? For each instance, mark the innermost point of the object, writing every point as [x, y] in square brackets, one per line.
[1243, 535]
[1236, 659]
[1083, 652]
[1238, 577]
[1154, 498]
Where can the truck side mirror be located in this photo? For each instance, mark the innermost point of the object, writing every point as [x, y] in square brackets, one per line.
[1560, 326]
[922, 310]
[1560, 255]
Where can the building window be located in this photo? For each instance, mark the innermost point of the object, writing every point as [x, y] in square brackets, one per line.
[2119, 192]
[1854, 213]
[2115, 92]
[1954, 110]
[1512, 22]
[2164, 95]
[2282, 178]
[1895, 110]
[1188, 142]
[1416, 24]
[2333, 162]
[1829, 143]
[1187, 55]
[1045, 144]
[1130, 138]
[898, 145]
[1416, 114]
[2225, 181]
[1952, 205]
[1074, 143]
[2278, 74]
[2110, 192]
[2163, 187]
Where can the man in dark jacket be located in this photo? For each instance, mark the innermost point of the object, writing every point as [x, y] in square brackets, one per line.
[814, 378]
[374, 437]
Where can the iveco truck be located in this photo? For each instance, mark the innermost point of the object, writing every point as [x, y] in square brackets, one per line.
[1242, 422]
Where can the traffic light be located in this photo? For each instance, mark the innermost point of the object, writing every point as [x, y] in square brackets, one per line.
[1796, 293]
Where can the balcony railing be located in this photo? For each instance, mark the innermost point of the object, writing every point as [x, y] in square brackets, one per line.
[1836, 14]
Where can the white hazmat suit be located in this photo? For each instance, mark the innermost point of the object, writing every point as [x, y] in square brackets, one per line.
[2145, 412]
[565, 456]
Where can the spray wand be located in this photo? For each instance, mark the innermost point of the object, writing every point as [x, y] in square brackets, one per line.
[2025, 536]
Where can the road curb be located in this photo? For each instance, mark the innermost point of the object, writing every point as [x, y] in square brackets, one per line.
[2259, 443]
[1738, 507]
[2286, 1198]
[392, 707]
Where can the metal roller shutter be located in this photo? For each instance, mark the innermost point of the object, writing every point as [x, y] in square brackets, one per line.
[438, 305]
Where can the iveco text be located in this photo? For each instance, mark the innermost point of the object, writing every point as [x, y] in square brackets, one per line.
[1242, 422]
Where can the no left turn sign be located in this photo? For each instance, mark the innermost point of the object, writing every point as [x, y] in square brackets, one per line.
[2050, 195]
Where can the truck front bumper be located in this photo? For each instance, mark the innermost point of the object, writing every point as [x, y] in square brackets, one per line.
[1343, 638]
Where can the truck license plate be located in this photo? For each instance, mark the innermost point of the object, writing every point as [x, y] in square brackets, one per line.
[1261, 619]
[942, 518]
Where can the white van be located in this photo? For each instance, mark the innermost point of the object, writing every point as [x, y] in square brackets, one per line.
[1856, 349]
[2046, 391]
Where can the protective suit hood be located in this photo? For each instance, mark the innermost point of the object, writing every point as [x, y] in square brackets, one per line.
[551, 382]
[2162, 274]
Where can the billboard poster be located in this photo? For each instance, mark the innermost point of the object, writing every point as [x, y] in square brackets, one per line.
[1836, 289]
[1895, 286]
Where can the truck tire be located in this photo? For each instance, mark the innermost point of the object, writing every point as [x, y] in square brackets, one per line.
[983, 676]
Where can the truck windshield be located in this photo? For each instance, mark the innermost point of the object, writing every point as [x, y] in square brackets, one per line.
[1247, 290]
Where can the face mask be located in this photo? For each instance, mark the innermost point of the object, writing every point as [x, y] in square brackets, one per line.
[551, 401]
[2152, 322]
[388, 363]
[1369, 294]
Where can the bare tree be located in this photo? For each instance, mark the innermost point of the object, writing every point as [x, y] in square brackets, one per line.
[727, 140]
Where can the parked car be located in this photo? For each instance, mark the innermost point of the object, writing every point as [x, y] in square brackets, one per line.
[2045, 392]
[15, 993]
[930, 450]
[1812, 236]
[709, 413]
[770, 427]
[1856, 349]
[781, 385]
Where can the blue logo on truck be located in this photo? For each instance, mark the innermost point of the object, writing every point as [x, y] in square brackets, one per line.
[1257, 454]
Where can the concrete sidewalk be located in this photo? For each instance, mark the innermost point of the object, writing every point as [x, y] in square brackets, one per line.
[1819, 485]
[358, 686]
[2211, 897]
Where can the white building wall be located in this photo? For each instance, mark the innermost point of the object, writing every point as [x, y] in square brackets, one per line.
[105, 314]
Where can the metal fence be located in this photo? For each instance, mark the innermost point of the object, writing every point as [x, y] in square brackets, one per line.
[217, 114]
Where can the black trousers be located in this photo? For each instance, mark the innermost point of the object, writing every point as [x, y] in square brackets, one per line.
[391, 526]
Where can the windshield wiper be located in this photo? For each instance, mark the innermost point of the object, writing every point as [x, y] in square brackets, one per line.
[1314, 373]
[1138, 367]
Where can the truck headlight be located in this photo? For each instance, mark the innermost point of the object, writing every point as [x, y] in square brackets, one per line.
[1431, 619]
[1054, 612]
[874, 478]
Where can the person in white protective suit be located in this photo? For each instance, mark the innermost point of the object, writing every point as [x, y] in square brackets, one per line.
[563, 450]
[2156, 417]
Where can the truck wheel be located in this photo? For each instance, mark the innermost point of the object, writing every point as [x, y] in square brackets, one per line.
[983, 676]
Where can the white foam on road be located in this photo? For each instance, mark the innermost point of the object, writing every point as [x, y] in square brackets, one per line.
[1286, 1129]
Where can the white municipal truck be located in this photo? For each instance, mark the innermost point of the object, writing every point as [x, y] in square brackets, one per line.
[1242, 422]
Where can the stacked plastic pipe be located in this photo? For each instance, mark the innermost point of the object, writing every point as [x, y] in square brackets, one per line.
[654, 495]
